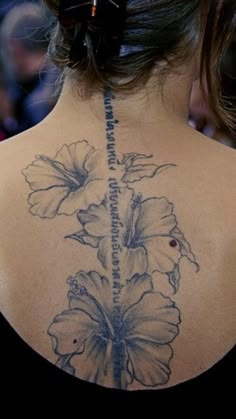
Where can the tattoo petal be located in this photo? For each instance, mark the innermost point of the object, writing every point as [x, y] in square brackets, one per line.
[185, 246]
[82, 197]
[150, 362]
[94, 364]
[161, 256]
[74, 156]
[135, 288]
[95, 220]
[155, 218]
[153, 318]
[95, 164]
[88, 305]
[93, 288]
[134, 261]
[104, 251]
[70, 330]
[40, 175]
[46, 203]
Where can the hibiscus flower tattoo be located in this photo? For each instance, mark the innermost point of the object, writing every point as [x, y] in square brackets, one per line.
[90, 346]
[150, 239]
[72, 179]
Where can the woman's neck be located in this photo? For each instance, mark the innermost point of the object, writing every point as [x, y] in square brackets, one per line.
[146, 107]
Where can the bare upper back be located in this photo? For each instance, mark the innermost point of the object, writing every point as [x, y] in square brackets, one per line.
[145, 248]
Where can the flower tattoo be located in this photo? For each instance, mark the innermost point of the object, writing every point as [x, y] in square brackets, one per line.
[72, 180]
[149, 236]
[118, 329]
[87, 340]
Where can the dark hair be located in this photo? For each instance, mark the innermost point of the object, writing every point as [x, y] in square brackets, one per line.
[228, 81]
[155, 32]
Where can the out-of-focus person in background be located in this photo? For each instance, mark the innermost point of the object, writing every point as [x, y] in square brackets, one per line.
[7, 120]
[29, 79]
[202, 116]
[7, 5]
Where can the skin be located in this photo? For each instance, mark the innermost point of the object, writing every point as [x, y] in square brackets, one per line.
[35, 260]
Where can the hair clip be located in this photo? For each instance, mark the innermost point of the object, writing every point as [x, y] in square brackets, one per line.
[71, 12]
[94, 6]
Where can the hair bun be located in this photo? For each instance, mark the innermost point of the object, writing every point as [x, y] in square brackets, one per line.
[97, 24]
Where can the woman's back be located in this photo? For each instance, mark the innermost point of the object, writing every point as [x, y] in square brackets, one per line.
[117, 218]
[145, 241]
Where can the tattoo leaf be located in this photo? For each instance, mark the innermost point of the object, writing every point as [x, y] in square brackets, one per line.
[174, 278]
[136, 172]
[84, 238]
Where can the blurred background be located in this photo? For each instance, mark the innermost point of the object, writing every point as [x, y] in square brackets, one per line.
[28, 82]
